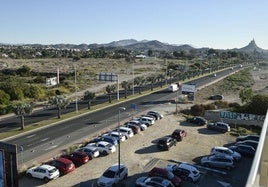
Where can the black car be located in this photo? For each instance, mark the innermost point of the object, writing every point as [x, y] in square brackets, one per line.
[219, 126]
[197, 120]
[216, 97]
[245, 150]
[254, 137]
[251, 143]
[166, 143]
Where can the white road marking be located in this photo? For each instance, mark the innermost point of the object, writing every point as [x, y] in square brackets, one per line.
[31, 136]
[51, 147]
[44, 139]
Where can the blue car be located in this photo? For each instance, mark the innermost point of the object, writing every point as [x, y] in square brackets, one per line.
[245, 150]
[107, 138]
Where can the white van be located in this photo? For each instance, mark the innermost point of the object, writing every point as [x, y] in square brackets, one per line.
[173, 87]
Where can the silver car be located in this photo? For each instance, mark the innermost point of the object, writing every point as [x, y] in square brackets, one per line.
[218, 161]
[224, 151]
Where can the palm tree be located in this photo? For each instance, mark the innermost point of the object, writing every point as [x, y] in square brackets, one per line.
[160, 78]
[152, 80]
[110, 89]
[89, 96]
[21, 109]
[139, 81]
[126, 85]
[60, 102]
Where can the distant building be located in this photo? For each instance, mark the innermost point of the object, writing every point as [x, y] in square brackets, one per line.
[140, 56]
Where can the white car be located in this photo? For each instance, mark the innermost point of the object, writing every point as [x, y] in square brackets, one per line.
[153, 181]
[112, 176]
[137, 122]
[117, 135]
[128, 131]
[45, 172]
[147, 120]
[103, 147]
[223, 151]
[185, 171]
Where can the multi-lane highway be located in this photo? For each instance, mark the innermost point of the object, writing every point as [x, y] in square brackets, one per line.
[50, 138]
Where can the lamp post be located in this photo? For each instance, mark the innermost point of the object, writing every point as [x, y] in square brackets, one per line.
[119, 110]
[76, 106]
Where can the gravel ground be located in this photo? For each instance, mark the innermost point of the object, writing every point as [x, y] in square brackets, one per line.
[140, 153]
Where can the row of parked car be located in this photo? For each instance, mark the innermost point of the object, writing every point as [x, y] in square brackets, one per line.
[217, 126]
[226, 157]
[102, 145]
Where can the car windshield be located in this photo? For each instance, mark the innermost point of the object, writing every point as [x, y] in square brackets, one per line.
[109, 174]
[52, 170]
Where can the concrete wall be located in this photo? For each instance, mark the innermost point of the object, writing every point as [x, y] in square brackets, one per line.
[234, 118]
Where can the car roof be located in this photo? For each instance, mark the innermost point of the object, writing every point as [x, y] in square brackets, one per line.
[46, 166]
[115, 167]
[220, 148]
[103, 143]
[125, 128]
[187, 166]
[63, 160]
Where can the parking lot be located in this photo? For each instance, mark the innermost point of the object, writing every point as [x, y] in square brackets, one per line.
[140, 154]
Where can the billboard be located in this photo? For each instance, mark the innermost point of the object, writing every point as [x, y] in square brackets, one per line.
[51, 82]
[107, 77]
[187, 88]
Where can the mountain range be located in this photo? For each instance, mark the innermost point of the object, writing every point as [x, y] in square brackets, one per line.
[132, 44]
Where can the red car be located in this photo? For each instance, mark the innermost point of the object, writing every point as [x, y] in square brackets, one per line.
[63, 165]
[78, 158]
[161, 172]
[179, 134]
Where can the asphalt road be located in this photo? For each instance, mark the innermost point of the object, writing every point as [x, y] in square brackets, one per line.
[47, 139]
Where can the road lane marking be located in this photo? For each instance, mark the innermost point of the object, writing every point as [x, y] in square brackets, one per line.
[31, 136]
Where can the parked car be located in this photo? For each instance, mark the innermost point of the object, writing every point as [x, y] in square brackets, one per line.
[135, 128]
[104, 148]
[224, 151]
[127, 131]
[219, 126]
[62, 164]
[162, 172]
[178, 134]
[155, 113]
[216, 97]
[45, 172]
[245, 150]
[254, 137]
[105, 137]
[112, 176]
[219, 162]
[185, 171]
[78, 158]
[146, 120]
[252, 143]
[119, 136]
[92, 152]
[153, 181]
[137, 122]
[166, 143]
[197, 120]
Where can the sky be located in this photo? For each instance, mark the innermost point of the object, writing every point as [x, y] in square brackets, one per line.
[218, 24]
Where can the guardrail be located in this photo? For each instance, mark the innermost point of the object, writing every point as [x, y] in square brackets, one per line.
[258, 175]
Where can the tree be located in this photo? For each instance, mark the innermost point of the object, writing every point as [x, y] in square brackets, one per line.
[139, 81]
[110, 89]
[258, 105]
[160, 78]
[4, 98]
[21, 109]
[89, 96]
[246, 95]
[152, 80]
[60, 102]
[126, 85]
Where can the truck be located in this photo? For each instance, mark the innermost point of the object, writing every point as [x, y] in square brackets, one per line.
[173, 87]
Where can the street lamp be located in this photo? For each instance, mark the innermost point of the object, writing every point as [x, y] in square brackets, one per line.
[76, 105]
[119, 110]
